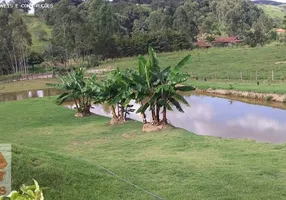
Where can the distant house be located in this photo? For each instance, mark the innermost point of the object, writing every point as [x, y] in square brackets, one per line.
[202, 44]
[226, 40]
[280, 31]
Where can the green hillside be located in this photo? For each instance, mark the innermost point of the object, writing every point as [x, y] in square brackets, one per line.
[273, 11]
[41, 33]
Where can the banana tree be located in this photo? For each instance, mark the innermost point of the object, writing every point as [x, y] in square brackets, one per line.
[171, 86]
[78, 90]
[116, 92]
[147, 81]
[137, 88]
[163, 87]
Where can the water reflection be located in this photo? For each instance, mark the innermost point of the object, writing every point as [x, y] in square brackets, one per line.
[227, 117]
[11, 96]
[215, 116]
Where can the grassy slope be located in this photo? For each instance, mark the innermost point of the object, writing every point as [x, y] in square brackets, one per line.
[60, 151]
[34, 26]
[26, 85]
[214, 64]
[273, 11]
[219, 64]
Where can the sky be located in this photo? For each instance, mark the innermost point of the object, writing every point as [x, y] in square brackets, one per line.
[283, 1]
[36, 1]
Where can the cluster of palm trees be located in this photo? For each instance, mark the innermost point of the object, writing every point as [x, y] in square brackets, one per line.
[155, 89]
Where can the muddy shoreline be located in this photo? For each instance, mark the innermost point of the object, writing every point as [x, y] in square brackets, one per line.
[243, 94]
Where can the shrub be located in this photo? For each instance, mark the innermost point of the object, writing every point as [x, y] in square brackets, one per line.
[33, 192]
[93, 61]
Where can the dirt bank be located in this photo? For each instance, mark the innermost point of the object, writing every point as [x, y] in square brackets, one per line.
[253, 95]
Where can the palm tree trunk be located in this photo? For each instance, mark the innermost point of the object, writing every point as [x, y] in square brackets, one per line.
[143, 115]
[122, 113]
[153, 114]
[118, 112]
[114, 116]
[144, 118]
[157, 113]
[76, 104]
[165, 115]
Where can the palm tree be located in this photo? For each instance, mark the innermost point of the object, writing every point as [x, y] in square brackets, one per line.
[163, 86]
[76, 89]
[116, 92]
[171, 85]
[147, 71]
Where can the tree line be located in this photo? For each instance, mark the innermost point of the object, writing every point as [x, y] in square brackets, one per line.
[100, 29]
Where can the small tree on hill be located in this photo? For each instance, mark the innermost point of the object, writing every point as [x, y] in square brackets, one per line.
[35, 59]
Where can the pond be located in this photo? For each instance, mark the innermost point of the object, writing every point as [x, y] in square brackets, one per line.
[223, 116]
[12, 96]
[216, 116]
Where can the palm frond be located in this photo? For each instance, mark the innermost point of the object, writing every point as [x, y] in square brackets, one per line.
[181, 99]
[143, 108]
[176, 104]
[185, 88]
[178, 67]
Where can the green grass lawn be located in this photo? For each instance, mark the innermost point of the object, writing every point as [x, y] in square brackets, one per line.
[220, 67]
[223, 63]
[63, 153]
[26, 85]
[263, 87]
[224, 66]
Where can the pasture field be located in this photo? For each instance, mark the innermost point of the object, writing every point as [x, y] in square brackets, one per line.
[221, 67]
[67, 154]
[41, 33]
[274, 12]
[209, 68]
[26, 85]
[223, 63]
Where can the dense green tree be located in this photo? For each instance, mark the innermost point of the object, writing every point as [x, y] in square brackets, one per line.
[141, 25]
[15, 41]
[35, 58]
[104, 24]
[184, 23]
[130, 14]
[158, 20]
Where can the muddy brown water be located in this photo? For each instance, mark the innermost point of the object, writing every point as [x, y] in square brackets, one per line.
[12, 96]
[223, 116]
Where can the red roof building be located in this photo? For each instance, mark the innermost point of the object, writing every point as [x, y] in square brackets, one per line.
[202, 44]
[227, 40]
[280, 30]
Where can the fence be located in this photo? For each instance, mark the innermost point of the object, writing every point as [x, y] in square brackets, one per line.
[25, 77]
[262, 75]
